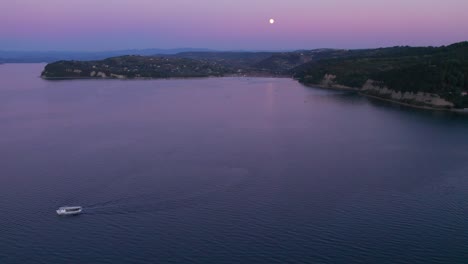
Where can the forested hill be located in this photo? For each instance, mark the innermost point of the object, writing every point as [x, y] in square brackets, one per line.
[134, 67]
[189, 64]
[186, 64]
[436, 70]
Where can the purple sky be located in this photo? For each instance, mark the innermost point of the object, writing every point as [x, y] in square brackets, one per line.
[229, 24]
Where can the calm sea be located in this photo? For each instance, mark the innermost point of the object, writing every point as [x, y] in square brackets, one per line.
[225, 170]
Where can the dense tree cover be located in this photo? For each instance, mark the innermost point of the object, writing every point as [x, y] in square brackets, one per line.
[442, 70]
[133, 67]
[233, 59]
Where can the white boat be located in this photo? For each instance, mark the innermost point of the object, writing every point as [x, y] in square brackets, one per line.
[69, 210]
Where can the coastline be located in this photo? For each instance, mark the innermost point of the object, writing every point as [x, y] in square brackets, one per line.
[168, 78]
[359, 91]
[125, 79]
[410, 105]
[328, 87]
[320, 86]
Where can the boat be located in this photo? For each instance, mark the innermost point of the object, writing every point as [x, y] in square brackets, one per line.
[69, 210]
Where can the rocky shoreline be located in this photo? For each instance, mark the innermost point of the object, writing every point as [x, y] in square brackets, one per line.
[426, 101]
[455, 110]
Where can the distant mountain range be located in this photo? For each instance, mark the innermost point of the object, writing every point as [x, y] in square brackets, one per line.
[51, 56]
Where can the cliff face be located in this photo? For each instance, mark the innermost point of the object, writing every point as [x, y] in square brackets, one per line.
[329, 81]
[372, 88]
[417, 99]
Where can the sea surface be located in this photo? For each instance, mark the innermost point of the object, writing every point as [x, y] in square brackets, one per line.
[225, 170]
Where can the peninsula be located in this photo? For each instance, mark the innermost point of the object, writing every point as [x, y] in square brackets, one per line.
[432, 77]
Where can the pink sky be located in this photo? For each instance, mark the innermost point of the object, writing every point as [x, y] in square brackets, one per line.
[227, 25]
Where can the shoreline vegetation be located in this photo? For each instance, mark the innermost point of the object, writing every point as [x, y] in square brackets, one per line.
[434, 78]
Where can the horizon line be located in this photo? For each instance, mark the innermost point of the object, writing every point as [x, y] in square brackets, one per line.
[222, 50]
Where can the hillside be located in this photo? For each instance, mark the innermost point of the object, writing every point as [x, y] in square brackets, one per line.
[134, 67]
[51, 56]
[392, 72]
[184, 64]
[231, 59]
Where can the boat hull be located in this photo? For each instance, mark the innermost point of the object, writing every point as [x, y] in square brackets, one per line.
[61, 211]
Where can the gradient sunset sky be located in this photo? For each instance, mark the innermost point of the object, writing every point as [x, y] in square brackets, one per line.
[229, 25]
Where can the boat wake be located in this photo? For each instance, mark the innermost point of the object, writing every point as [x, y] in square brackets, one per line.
[152, 202]
[102, 186]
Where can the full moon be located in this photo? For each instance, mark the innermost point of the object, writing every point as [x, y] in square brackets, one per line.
[272, 21]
